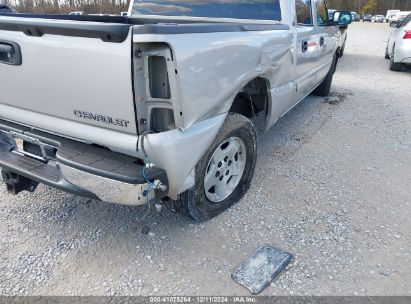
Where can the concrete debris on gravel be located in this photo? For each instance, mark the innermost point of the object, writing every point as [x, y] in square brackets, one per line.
[332, 186]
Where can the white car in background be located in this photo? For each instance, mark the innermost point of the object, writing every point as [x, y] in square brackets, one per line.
[379, 18]
[391, 14]
[400, 16]
[399, 44]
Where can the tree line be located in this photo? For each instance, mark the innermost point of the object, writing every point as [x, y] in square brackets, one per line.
[117, 6]
[370, 6]
[67, 6]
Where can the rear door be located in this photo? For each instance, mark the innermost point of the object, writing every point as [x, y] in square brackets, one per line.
[307, 49]
[328, 39]
[73, 77]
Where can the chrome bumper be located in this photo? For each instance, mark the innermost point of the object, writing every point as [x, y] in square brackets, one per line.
[107, 190]
[75, 167]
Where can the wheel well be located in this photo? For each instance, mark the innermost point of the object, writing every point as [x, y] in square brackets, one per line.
[338, 51]
[252, 99]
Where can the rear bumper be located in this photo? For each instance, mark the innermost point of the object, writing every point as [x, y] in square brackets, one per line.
[79, 168]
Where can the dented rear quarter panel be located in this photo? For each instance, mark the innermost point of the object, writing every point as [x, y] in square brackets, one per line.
[213, 67]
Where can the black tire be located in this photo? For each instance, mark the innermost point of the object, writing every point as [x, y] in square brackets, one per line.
[325, 86]
[194, 201]
[394, 66]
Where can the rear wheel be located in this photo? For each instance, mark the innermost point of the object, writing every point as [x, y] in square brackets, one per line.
[394, 66]
[325, 86]
[224, 173]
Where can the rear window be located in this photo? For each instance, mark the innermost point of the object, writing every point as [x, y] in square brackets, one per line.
[238, 9]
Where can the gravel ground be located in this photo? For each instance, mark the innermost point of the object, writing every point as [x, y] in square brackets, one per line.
[332, 186]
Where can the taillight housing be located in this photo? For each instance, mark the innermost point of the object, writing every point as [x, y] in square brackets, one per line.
[407, 34]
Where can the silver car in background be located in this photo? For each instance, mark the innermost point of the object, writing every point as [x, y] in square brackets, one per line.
[399, 44]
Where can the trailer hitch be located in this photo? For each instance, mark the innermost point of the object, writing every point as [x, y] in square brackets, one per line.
[16, 183]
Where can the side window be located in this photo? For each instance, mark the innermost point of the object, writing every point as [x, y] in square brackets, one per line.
[304, 16]
[322, 12]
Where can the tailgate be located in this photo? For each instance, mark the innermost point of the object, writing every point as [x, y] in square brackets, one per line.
[74, 78]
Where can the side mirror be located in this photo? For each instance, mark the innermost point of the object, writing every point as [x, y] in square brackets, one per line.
[394, 23]
[344, 18]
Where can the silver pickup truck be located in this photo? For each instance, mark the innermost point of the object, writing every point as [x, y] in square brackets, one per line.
[160, 105]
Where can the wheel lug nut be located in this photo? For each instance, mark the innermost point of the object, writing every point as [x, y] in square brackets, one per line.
[226, 158]
[220, 164]
[217, 174]
[230, 162]
[228, 172]
[221, 178]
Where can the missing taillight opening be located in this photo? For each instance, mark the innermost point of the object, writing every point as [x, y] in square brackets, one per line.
[159, 83]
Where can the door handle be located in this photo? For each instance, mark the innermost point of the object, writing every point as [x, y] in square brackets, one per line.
[321, 41]
[10, 53]
[305, 46]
